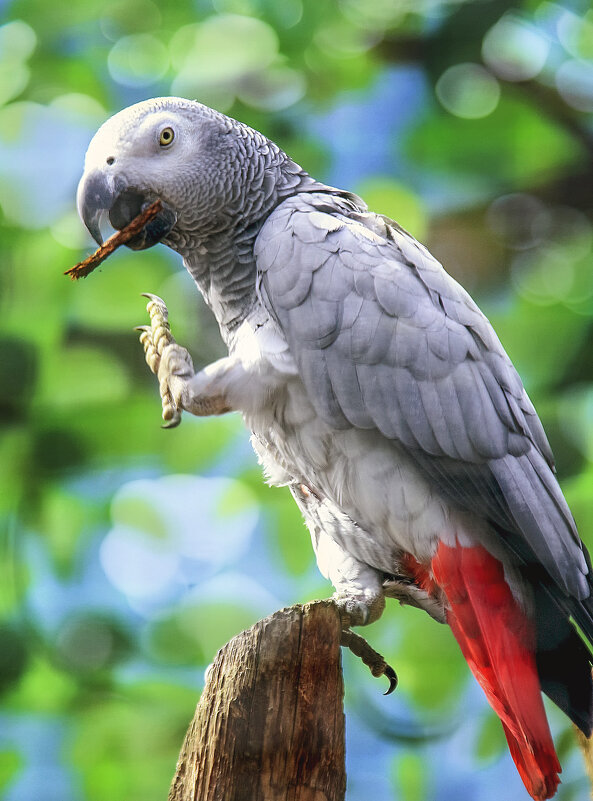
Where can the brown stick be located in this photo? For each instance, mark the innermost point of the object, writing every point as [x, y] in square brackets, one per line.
[270, 723]
[84, 268]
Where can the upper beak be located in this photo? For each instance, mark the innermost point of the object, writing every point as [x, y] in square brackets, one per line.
[96, 194]
[102, 193]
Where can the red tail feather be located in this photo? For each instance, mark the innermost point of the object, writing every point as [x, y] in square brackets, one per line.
[498, 641]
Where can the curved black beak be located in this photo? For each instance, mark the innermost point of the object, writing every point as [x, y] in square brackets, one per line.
[95, 196]
[101, 194]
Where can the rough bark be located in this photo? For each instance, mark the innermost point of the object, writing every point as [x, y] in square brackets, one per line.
[269, 725]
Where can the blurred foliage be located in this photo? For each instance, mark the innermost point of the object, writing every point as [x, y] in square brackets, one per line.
[130, 554]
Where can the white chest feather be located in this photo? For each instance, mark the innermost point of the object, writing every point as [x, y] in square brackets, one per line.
[364, 476]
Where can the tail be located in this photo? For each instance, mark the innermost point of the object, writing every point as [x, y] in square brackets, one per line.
[498, 641]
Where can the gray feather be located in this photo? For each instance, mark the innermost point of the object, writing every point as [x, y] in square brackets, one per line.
[411, 354]
[344, 379]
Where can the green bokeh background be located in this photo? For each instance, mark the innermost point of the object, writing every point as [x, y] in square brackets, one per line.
[130, 554]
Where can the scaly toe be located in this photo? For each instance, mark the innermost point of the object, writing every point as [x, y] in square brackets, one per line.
[359, 609]
[156, 338]
[371, 658]
[151, 354]
[161, 337]
[145, 335]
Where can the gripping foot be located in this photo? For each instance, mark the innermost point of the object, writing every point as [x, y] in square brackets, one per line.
[373, 660]
[164, 356]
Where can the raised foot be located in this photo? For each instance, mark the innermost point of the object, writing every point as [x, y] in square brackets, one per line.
[164, 357]
[373, 660]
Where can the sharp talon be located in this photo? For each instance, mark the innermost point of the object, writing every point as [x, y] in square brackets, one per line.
[157, 308]
[152, 297]
[173, 422]
[392, 676]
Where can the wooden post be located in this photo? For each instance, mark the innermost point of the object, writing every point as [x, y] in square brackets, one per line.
[269, 725]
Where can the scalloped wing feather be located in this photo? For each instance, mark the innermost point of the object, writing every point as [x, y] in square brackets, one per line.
[384, 338]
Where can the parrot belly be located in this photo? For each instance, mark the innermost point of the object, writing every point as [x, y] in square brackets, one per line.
[386, 507]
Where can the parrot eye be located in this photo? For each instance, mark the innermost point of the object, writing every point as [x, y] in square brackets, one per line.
[166, 136]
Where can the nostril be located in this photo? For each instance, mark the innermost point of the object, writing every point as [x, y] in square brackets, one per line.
[110, 160]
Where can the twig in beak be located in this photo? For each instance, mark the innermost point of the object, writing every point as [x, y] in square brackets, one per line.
[86, 267]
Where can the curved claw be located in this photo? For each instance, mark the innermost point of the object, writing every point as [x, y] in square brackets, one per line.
[173, 422]
[392, 676]
[171, 416]
[145, 335]
[152, 297]
[156, 306]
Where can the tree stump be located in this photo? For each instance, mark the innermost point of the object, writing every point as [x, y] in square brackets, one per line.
[269, 725]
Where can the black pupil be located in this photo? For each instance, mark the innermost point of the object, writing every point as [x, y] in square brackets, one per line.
[166, 135]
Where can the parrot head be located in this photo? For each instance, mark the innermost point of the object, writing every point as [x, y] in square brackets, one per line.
[178, 151]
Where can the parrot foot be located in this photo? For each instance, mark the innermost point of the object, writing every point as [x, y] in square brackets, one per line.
[373, 660]
[164, 357]
[359, 608]
[411, 595]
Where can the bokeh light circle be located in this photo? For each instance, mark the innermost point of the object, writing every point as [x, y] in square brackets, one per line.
[574, 80]
[138, 60]
[468, 91]
[513, 50]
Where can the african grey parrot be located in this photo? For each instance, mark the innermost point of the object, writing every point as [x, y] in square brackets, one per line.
[377, 391]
